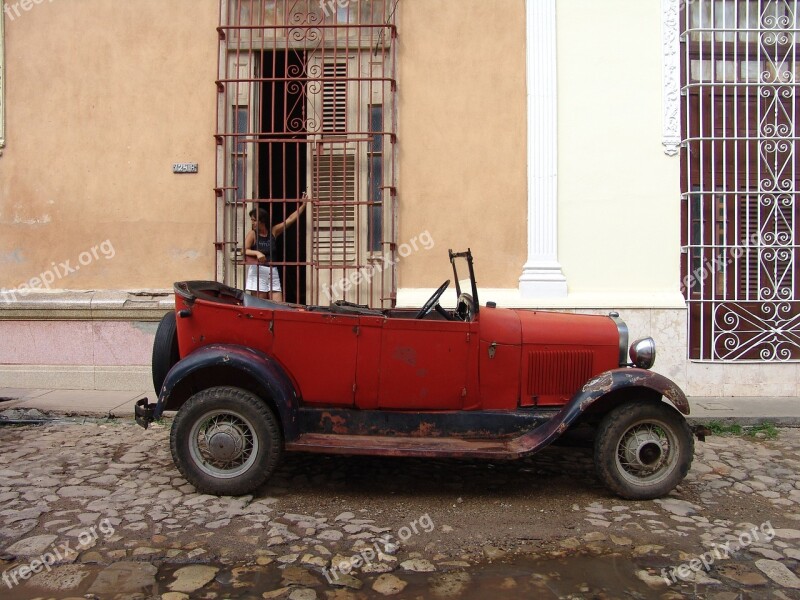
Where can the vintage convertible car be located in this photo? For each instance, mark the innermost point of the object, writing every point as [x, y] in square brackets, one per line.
[252, 378]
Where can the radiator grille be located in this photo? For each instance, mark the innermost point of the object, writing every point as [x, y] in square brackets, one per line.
[552, 372]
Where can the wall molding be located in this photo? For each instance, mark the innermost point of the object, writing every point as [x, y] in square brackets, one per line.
[542, 276]
[671, 76]
[87, 305]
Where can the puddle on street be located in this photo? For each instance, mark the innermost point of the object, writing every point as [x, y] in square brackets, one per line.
[576, 577]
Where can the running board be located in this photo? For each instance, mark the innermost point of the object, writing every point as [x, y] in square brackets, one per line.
[449, 447]
[401, 446]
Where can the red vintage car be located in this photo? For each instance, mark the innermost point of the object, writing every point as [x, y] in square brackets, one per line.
[251, 378]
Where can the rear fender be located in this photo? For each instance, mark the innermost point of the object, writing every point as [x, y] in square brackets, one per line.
[227, 364]
[593, 391]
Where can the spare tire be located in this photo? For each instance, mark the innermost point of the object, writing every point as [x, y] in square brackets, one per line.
[165, 350]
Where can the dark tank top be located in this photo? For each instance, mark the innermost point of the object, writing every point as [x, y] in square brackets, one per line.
[265, 245]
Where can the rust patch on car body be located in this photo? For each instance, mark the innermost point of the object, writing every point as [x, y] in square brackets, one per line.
[426, 429]
[333, 423]
[601, 383]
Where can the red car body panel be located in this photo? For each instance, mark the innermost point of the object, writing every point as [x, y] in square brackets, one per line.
[560, 352]
[501, 361]
[423, 365]
[347, 379]
[222, 323]
[368, 362]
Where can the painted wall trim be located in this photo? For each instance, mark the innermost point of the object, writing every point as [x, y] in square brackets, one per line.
[671, 76]
[542, 276]
[512, 298]
[86, 305]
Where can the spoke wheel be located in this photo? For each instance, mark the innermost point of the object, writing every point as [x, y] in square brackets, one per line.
[643, 450]
[226, 441]
[224, 444]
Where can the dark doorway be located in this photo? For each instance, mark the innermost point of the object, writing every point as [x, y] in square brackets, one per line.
[282, 159]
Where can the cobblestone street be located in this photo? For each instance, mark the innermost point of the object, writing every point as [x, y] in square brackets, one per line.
[96, 509]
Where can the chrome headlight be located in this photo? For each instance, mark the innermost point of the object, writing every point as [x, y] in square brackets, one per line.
[643, 353]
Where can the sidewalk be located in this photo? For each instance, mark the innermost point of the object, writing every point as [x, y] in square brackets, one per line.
[744, 411]
[79, 402]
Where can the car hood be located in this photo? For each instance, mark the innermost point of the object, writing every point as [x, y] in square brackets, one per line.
[567, 329]
[504, 326]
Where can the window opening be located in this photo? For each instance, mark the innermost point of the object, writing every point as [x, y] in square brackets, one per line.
[740, 179]
[307, 105]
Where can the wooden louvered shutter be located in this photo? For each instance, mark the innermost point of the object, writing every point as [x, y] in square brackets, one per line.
[765, 261]
[334, 227]
[334, 98]
[333, 166]
[748, 261]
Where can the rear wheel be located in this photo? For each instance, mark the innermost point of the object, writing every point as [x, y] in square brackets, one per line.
[165, 350]
[643, 450]
[226, 441]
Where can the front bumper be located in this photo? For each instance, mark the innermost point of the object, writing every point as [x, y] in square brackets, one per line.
[143, 412]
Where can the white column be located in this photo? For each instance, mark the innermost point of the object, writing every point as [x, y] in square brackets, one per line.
[541, 275]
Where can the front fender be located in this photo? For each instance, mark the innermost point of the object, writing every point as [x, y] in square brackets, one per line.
[629, 377]
[592, 391]
[250, 364]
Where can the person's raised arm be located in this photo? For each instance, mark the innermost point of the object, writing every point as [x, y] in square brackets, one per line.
[291, 220]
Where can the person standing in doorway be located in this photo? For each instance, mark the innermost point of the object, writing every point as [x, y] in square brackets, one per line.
[263, 279]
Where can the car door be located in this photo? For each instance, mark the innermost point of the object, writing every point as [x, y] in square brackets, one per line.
[319, 352]
[423, 364]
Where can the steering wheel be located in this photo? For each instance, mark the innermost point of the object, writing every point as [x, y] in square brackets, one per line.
[433, 301]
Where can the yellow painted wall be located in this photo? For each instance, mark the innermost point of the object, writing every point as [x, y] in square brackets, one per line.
[462, 148]
[619, 194]
[463, 135]
[102, 97]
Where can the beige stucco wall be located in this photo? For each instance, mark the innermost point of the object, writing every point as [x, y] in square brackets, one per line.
[619, 194]
[462, 142]
[463, 169]
[102, 97]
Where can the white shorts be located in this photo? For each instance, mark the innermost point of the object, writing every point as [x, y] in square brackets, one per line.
[262, 279]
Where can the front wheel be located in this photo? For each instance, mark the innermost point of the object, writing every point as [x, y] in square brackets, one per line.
[643, 450]
[226, 441]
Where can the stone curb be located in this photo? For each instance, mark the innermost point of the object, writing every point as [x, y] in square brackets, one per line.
[746, 421]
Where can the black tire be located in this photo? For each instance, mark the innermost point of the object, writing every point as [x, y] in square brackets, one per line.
[226, 441]
[643, 450]
[165, 350]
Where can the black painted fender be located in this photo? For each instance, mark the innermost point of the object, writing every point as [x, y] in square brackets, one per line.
[628, 377]
[264, 370]
[592, 391]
